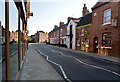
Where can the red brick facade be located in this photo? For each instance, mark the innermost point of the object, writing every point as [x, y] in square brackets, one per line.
[99, 31]
[56, 36]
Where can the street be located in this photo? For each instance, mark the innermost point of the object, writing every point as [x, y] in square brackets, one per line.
[72, 65]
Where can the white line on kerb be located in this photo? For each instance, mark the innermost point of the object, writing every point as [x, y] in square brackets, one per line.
[65, 76]
[90, 64]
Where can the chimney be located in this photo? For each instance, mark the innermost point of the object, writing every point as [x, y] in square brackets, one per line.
[61, 23]
[55, 26]
[85, 10]
[68, 19]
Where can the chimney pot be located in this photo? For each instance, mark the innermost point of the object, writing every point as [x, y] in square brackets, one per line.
[55, 26]
[61, 23]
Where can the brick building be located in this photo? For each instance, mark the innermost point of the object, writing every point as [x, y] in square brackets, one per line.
[102, 35]
[41, 36]
[2, 34]
[106, 28]
[84, 33]
[57, 35]
[14, 36]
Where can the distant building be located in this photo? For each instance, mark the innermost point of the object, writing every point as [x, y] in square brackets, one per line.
[40, 37]
[58, 34]
[2, 34]
[14, 36]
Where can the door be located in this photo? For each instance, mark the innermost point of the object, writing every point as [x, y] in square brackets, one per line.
[71, 36]
[95, 44]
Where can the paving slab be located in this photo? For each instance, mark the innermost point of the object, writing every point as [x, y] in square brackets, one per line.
[35, 67]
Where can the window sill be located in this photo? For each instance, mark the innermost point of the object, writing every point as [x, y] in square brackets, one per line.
[106, 23]
[107, 47]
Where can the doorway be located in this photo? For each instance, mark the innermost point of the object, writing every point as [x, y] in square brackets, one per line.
[71, 36]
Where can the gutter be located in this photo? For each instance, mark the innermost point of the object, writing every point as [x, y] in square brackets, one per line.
[84, 26]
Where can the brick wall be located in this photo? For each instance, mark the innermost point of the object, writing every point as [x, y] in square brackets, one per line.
[99, 28]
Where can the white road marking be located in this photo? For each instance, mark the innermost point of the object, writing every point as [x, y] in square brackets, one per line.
[90, 64]
[65, 76]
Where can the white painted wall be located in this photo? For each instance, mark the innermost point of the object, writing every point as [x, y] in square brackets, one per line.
[73, 32]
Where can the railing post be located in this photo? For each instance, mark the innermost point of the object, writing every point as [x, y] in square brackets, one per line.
[7, 40]
[19, 58]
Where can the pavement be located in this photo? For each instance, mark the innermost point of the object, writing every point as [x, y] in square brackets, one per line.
[35, 67]
[100, 56]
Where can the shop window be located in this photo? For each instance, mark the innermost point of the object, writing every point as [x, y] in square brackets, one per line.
[83, 32]
[106, 40]
[78, 42]
[86, 43]
[107, 16]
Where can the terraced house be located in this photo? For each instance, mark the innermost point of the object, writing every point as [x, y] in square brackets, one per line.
[106, 28]
[99, 31]
[84, 33]
[70, 35]
[58, 34]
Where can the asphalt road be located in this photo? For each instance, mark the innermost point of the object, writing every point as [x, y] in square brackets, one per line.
[72, 65]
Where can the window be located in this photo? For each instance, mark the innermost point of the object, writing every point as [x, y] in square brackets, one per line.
[61, 32]
[58, 33]
[95, 14]
[106, 40]
[107, 16]
[64, 40]
[54, 34]
[78, 42]
[86, 43]
[83, 32]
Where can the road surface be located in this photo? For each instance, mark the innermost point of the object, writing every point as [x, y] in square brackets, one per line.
[72, 65]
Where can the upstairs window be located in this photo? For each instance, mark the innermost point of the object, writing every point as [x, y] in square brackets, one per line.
[107, 16]
[58, 33]
[61, 32]
[54, 34]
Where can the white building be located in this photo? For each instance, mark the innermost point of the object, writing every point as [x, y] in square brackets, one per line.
[70, 35]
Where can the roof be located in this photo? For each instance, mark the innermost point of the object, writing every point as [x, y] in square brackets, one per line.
[87, 19]
[42, 31]
[76, 20]
[100, 3]
[58, 28]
